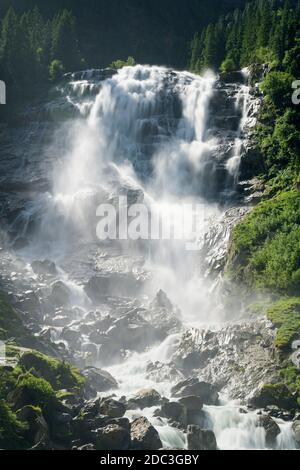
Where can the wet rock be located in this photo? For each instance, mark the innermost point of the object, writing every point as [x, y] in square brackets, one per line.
[99, 380]
[191, 403]
[159, 372]
[144, 399]
[131, 332]
[144, 436]
[38, 432]
[112, 408]
[72, 337]
[44, 267]
[273, 394]
[86, 447]
[271, 427]
[112, 437]
[296, 429]
[199, 439]
[29, 302]
[60, 295]
[175, 412]
[113, 284]
[193, 387]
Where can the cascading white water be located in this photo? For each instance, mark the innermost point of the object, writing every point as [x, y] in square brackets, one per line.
[147, 130]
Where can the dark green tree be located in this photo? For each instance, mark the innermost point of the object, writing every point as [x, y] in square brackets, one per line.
[64, 40]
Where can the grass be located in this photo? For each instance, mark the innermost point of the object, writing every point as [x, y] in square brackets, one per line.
[285, 315]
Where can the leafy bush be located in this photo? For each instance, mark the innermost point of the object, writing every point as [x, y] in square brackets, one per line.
[277, 86]
[119, 64]
[228, 65]
[56, 70]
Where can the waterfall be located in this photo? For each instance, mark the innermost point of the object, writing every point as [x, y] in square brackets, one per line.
[161, 138]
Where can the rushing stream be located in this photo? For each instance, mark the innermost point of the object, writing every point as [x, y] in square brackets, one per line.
[163, 139]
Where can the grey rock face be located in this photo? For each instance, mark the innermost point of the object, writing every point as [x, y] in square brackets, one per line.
[237, 359]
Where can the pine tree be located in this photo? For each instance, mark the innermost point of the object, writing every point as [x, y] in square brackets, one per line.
[196, 49]
[249, 34]
[10, 46]
[209, 59]
[64, 40]
[265, 26]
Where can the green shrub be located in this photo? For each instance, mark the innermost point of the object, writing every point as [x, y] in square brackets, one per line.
[56, 70]
[119, 64]
[277, 86]
[228, 65]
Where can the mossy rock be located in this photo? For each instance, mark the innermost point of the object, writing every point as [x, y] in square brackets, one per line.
[60, 375]
[33, 391]
[275, 394]
[12, 430]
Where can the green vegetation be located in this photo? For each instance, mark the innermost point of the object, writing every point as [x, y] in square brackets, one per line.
[33, 49]
[285, 315]
[265, 31]
[11, 429]
[119, 64]
[265, 251]
[38, 382]
[59, 374]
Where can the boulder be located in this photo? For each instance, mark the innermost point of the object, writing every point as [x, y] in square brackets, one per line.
[273, 394]
[199, 439]
[144, 399]
[44, 267]
[175, 412]
[38, 432]
[99, 380]
[112, 437]
[112, 408]
[193, 409]
[192, 403]
[144, 436]
[193, 387]
[271, 427]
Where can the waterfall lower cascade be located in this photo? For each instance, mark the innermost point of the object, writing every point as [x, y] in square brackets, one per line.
[165, 139]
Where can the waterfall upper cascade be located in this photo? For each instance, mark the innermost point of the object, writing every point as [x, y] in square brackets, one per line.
[157, 137]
